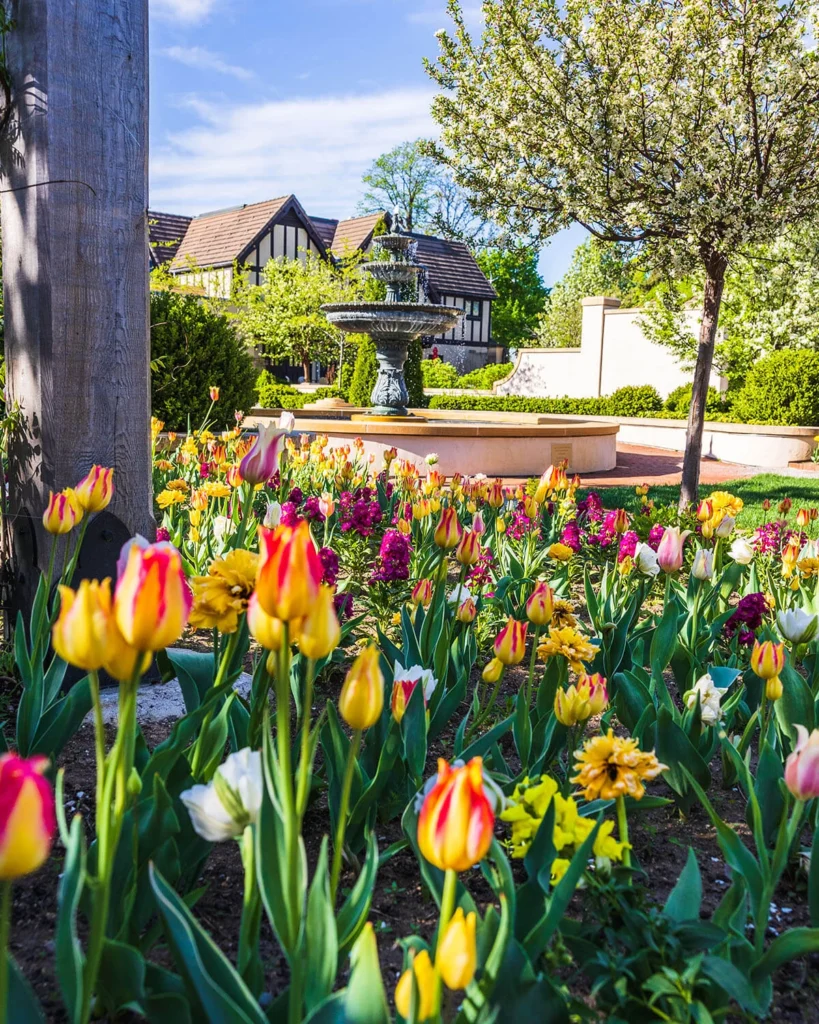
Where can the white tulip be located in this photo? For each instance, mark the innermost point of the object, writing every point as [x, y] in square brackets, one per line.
[797, 625]
[231, 801]
[741, 551]
[459, 594]
[221, 528]
[416, 674]
[645, 560]
[709, 696]
[809, 550]
[703, 567]
[431, 459]
[726, 527]
[273, 515]
[287, 421]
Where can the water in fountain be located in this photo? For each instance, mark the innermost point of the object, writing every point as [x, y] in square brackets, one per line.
[395, 322]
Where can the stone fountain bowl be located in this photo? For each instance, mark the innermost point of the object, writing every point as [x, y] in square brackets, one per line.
[398, 272]
[403, 319]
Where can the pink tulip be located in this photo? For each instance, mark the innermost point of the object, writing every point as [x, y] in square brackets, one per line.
[670, 550]
[802, 767]
[262, 461]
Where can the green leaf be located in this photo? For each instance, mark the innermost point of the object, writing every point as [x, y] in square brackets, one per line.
[732, 980]
[673, 748]
[121, 977]
[523, 728]
[62, 720]
[664, 641]
[414, 728]
[795, 706]
[813, 879]
[70, 961]
[769, 772]
[211, 980]
[483, 743]
[365, 1001]
[632, 699]
[353, 914]
[22, 1007]
[683, 903]
[793, 943]
[322, 940]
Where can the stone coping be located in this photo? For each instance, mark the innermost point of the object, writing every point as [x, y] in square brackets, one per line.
[443, 423]
[765, 429]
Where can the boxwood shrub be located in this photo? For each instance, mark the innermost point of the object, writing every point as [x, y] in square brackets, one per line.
[438, 374]
[633, 400]
[782, 387]
[485, 376]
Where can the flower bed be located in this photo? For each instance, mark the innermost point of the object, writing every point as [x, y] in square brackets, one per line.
[475, 718]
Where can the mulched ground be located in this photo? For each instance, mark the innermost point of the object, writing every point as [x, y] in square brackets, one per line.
[400, 904]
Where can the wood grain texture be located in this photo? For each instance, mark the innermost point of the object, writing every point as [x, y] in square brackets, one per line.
[74, 256]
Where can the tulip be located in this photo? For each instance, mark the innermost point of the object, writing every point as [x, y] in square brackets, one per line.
[540, 606]
[80, 634]
[262, 461]
[703, 567]
[62, 513]
[362, 695]
[468, 550]
[495, 496]
[797, 626]
[94, 491]
[645, 560]
[426, 981]
[264, 628]
[725, 527]
[767, 659]
[492, 671]
[122, 661]
[234, 476]
[802, 517]
[478, 526]
[705, 511]
[448, 531]
[741, 551]
[709, 697]
[785, 506]
[232, 799]
[422, 593]
[457, 954]
[670, 550]
[802, 766]
[152, 599]
[214, 394]
[320, 630]
[578, 703]
[404, 682]
[620, 521]
[290, 572]
[457, 818]
[327, 505]
[510, 643]
[467, 611]
[27, 818]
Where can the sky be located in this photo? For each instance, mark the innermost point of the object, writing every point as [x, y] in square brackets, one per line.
[252, 99]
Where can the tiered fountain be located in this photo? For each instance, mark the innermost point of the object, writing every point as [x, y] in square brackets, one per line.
[393, 323]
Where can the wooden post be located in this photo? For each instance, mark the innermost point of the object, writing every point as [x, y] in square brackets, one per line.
[75, 268]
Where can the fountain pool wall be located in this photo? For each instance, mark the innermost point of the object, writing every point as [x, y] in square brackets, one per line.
[497, 444]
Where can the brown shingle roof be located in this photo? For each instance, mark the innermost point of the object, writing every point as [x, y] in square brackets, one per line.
[165, 232]
[325, 229]
[354, 233]
[217, 239]
[451, 269]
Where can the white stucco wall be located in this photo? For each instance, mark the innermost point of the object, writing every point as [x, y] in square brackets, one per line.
[613, 352]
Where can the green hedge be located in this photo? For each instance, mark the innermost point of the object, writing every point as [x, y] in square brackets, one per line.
[782, 387]
[633, 400]
[273, 394]
[485, 376]
[438, 374]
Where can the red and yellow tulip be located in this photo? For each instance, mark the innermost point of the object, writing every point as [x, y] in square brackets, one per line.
[290, 572]
[94, 491]
[27, 819]
[152, 599]
[457, 819]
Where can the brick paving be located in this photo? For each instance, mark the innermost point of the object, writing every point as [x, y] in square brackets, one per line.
[638, 465]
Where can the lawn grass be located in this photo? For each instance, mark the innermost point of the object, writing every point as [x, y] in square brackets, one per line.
[803, 491]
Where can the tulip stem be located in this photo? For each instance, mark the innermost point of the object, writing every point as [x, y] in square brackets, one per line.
[486, 711]
[447, 907]
[338, 846]
[251, 908]
[5, 929]
[301, 795]
[221, 674]
[622, 828]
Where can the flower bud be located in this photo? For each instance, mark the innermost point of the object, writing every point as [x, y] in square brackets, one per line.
[425, 979]
[492, 671]
[620, 521]
[62, 513]
[670, 549]
[457, 954]
[457, 819]
[214, 394]
[541, 604]
[362, 696]
[265, 629]
[797, 626]
[495, 496]
[94, 491]
[705, 510]
[230, 801]
[802, 517]
[767, 659]
[422, 593]
[741, 551]
[320, 630]
[478, 526]
[467, 611]
[510, 643]
[27, 819]
[703, 567]
[262, 461]
[80, 634]
[152, 600]
[802, 766]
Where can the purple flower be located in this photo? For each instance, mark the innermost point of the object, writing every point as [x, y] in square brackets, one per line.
[329, 561]
[628, 545]
[296, 496]
[359, 513]
[591, 508]
[571, 536]
[162, 534]
[655, 535]
[312, 512]
[393, 558]
[289, 517]
[748, 617]
[344, 605]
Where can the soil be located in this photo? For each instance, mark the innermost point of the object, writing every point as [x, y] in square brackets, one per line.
[401, 906]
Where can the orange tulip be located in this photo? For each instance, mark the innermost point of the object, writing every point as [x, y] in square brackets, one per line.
[94, 491]
[27, 819]
[152, 600]
[214, 394]
[457, 819]
[422, 593]
[290, 571]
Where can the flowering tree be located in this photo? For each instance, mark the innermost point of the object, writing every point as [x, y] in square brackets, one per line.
[686, 127]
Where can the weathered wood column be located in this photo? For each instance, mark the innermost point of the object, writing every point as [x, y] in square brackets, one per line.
[75, 267]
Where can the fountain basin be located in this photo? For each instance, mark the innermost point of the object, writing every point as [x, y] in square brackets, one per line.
[379, 319]
[511, 445]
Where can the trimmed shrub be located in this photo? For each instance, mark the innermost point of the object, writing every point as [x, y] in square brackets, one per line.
[485, 376]
[366, 371]
[193, 348]
[439, 374]
[679, 401]
[634, 400]
[273, 394]
[515, 403]
[782, 387]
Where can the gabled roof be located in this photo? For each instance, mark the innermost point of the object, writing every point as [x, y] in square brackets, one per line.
[451, 269]
[355, 233]
[325, 229]
[165, 232]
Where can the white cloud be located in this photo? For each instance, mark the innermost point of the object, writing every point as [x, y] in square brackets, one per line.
[205, 60]
[316, 148]
[183, 10]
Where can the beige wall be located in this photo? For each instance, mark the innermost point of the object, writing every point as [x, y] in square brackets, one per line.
[613, 352]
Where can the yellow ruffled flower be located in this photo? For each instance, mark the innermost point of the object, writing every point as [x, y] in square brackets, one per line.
[221, 597]
[570, 644]
[610, 766]
[560, 552]
[216, 489]
[167, 498]
[563, 614]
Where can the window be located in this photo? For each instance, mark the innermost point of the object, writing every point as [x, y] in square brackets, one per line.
[472, 309]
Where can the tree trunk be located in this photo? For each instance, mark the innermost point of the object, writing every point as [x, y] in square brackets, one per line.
[75, 263]
[305, 369]
[715, 266]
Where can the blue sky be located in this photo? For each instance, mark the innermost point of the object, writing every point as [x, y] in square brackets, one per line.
[260, 98]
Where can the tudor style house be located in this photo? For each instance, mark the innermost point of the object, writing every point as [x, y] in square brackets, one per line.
[203, 251]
